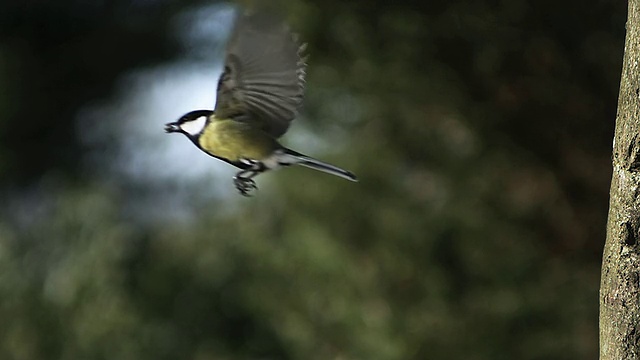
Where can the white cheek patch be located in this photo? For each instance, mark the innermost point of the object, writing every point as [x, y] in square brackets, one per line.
[194, 127]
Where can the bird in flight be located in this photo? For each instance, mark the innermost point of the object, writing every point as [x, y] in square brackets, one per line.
[259, 93]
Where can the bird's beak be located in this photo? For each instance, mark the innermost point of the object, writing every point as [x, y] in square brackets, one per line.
[171, 127]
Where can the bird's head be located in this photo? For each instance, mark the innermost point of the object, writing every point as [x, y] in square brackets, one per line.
[190, 124]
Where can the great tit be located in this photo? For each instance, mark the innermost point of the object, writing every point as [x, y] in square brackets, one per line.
[259, 94]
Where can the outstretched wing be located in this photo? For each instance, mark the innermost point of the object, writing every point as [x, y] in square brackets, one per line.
[263, 78]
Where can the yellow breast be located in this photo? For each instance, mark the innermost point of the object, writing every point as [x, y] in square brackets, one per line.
[234, 140]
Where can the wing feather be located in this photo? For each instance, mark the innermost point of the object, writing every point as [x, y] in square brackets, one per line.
[263, 80]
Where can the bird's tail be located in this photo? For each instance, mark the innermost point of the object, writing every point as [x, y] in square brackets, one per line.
[315, 164]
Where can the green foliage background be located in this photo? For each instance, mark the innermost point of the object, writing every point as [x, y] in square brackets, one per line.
[481, 131]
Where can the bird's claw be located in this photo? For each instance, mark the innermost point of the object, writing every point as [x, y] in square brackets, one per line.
[244, 185]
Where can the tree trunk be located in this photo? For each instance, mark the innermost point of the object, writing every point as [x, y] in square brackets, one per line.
[620, 284]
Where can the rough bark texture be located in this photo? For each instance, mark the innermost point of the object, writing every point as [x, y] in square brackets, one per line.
[620, 286]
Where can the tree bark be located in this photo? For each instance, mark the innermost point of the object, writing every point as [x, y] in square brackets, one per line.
[620, 284]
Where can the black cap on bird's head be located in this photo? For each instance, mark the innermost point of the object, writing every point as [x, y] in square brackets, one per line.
[190, 124]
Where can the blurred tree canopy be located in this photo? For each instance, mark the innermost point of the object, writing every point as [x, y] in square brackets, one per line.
[481, 131]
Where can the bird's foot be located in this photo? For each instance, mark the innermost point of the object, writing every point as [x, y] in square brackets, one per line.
[244, 185]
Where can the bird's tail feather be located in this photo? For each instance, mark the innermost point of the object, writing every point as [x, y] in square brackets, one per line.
[315, 164]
